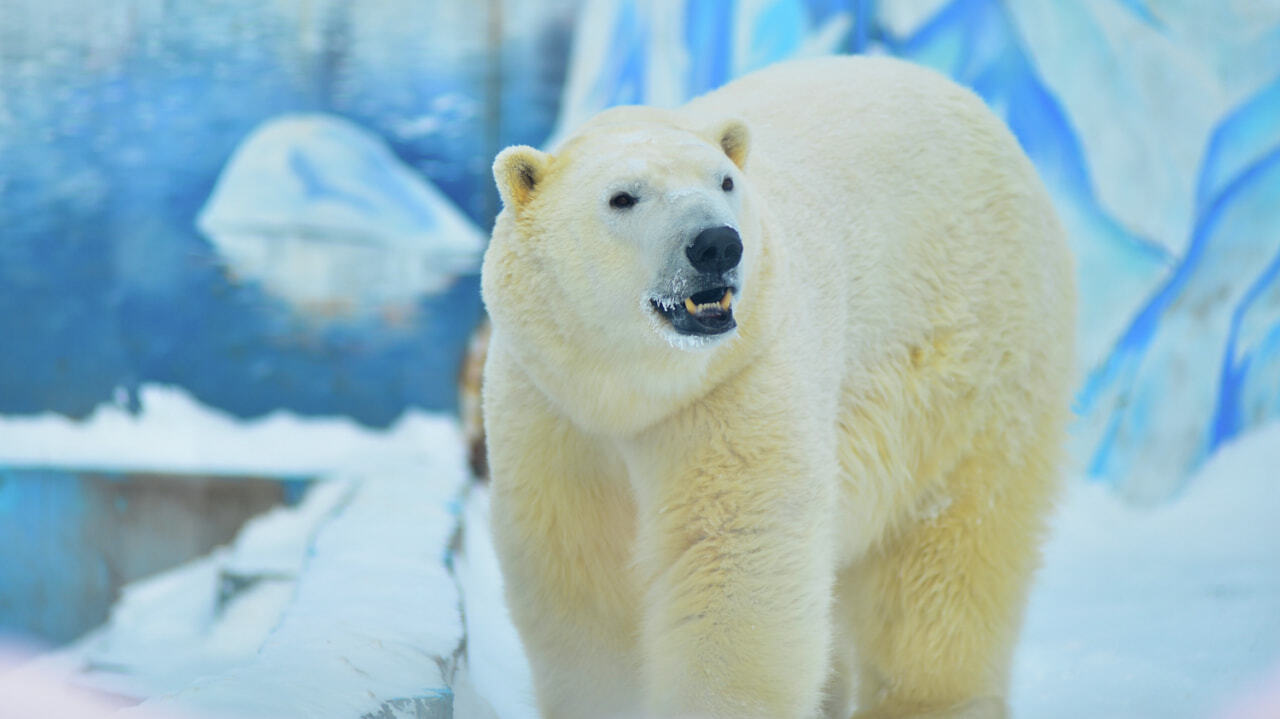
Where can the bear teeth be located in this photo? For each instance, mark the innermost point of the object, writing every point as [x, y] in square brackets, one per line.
[723, 304]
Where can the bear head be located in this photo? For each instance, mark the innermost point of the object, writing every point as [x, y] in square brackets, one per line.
[635, 233]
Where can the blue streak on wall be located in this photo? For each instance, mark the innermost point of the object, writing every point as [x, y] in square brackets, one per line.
[624, 82]
[1140, 10]
[973, 42]
[1228, 418]
[776, 32]
[704, 25]
[1238, 141]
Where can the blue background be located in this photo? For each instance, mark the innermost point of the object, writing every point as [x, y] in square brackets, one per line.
[116, 120]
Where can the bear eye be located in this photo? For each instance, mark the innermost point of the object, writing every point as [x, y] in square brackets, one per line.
[622, 201]
[727, 185]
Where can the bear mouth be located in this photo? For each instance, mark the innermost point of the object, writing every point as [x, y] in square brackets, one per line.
[709, 312]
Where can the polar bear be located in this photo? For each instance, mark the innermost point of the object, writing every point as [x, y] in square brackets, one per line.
[775, 398]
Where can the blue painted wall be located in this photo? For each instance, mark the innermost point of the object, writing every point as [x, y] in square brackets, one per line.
[106, 159]
[111, 140]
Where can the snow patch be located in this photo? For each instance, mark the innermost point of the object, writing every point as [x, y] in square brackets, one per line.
[1164, 612]
[176, 434]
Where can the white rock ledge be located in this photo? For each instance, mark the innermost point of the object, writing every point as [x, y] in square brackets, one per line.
[375, 629]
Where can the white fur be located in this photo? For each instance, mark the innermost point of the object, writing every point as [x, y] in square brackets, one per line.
[840, 502]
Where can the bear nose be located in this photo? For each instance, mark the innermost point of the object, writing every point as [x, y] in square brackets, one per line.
[715, 249]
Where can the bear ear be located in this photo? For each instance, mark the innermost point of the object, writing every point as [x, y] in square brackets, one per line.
[518, 170]
[735, 139]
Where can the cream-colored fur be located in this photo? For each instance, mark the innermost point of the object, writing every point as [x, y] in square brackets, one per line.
[839, 503]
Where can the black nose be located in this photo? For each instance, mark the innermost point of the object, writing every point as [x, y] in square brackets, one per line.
[717, 249]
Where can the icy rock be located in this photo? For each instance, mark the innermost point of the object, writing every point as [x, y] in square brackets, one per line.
[321, 213]
[1109, 94]
[1249, 384]
[375, 623]
[210, 614]
[1242, 139]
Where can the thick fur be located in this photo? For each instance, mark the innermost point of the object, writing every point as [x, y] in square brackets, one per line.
[837, 505]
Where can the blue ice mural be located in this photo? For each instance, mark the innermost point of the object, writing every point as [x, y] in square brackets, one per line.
[1155, 125]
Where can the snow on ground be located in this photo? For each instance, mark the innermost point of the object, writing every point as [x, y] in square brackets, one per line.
[1162, 613]
[206, 616]
[174, 433]
[1165, 612]
[341, 606]
[374, 623]
[496, 666]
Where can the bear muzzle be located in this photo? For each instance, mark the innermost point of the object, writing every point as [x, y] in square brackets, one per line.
[708, 312]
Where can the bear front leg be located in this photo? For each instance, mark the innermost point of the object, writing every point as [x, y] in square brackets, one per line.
[734, 548]
[562, 519]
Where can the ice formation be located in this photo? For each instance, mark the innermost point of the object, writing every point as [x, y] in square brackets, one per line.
[323, 214]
